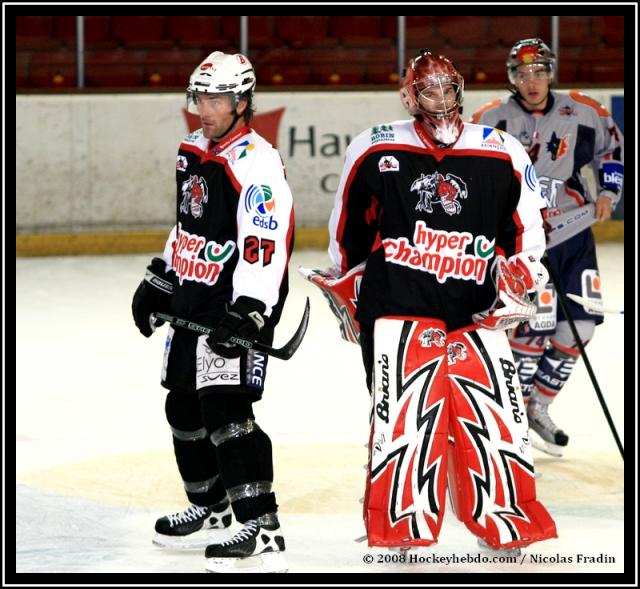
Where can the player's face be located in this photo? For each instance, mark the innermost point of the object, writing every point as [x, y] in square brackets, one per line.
[532, 82]
[438, 98]
[216, 114]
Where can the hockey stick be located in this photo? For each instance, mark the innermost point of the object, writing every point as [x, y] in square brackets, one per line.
[593, 306]
[562, 225]
[283, 353]
[565, 309]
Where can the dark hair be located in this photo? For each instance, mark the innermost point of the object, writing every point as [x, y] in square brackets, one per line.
[251, 107]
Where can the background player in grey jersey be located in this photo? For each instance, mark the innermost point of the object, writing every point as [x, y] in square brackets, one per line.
[224, 265]
[562, 132]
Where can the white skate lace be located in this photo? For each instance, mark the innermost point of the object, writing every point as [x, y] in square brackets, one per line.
[250, 528]
[191, 513]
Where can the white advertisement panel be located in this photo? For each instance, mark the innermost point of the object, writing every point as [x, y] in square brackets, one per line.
[107, 162]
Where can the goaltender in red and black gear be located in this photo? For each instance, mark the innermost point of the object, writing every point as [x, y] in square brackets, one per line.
[447, 218]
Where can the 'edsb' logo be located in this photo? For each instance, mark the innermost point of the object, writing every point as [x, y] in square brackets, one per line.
[260, 200]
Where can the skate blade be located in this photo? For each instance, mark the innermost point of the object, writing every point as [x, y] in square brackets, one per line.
[195, 541]
[547, 447]
[498, 551]
[401, 549]
[360, 539]
[268, 562]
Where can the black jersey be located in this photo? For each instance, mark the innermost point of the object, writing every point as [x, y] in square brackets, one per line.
[234, 230]
[430, 220]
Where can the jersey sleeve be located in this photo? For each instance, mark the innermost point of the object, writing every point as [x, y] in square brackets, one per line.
[608, 162]
[352, 231]
[522, 235]
[265, 221]
[167, 254]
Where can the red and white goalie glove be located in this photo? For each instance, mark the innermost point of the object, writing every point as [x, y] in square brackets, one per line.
[341, 291]
[512, 305]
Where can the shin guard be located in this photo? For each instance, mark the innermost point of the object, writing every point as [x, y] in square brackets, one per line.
[491, 475]
[405, 497]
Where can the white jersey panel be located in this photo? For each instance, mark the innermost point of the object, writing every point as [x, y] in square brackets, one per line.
[264, 219]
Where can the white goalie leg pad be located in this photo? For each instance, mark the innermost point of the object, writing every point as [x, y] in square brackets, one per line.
[492, 475]
[404, 503]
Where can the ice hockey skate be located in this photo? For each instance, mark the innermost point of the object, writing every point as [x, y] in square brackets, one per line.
[195, 527]
[550, 438]
[257, 548]
[498, 551]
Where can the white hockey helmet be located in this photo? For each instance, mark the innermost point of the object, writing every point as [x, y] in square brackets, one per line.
[221, 73]
[530, 52]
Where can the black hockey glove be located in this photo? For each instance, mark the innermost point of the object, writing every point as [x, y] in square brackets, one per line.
[244, 319]
[153, 295]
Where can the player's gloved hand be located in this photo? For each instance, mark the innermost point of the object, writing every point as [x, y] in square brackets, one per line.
[153, 295]
[546, 226]
[243, 319]
[512, 305]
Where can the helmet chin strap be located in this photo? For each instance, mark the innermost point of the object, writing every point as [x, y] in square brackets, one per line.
[235, 120]
[236, 117]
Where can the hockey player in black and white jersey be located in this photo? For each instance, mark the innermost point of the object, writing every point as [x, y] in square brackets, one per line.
[562, 132]
[224, 265]
[441, 223]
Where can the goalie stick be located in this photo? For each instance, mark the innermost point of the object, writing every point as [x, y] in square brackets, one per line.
[283, 353]
[593, 306]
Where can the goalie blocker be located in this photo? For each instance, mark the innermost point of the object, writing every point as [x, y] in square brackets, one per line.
[341, 292]
[448, 413]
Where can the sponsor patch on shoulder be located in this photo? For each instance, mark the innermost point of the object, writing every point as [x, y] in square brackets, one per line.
[493, 138]
[237, 152]
[193, 136]
[388, 163]
[382, 133]
[181, 163]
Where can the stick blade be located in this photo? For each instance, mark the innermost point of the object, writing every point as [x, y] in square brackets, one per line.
[593, 306]
[294, 343]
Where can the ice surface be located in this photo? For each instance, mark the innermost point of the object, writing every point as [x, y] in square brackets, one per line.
[95, 463]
